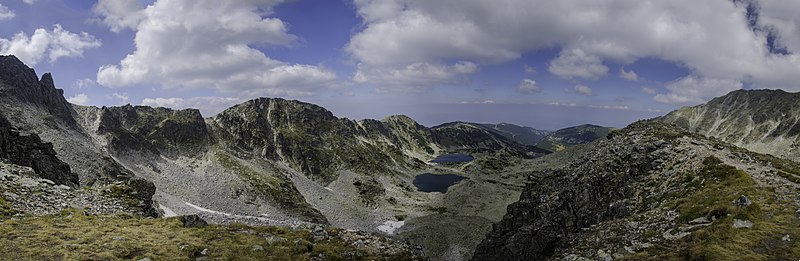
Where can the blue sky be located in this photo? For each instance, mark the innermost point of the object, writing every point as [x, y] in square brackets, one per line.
[545, 64]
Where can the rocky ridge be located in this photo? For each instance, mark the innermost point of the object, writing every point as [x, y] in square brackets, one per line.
[652, 191]
[766, 121]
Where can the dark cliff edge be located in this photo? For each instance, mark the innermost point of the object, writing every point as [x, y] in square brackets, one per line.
[30, 151]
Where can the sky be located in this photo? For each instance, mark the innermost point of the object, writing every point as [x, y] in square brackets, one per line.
[539, 63]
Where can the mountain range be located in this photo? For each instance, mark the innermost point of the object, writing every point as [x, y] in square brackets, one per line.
[272, 178]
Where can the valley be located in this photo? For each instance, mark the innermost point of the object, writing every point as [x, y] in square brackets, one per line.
[270, 170]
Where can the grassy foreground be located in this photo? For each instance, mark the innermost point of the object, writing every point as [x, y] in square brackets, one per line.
[773, 236]
[72, 235]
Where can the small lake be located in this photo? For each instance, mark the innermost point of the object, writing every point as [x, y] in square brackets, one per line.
[435, 182]
[453, 158]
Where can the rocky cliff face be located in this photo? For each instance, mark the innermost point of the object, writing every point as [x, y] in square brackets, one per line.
[652, 191]
[30, 151]
[159, 130]
[766, 121]
[20, 82]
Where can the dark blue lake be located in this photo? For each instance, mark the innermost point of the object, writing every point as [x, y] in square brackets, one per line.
[435, 182]
[453, 158]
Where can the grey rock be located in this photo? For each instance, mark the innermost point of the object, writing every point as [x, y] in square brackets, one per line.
[700, 220]
[192, 221]
[737, 223]
[742, 202]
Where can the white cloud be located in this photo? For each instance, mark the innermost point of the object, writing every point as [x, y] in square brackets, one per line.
[710, 38]
[694, 89]
[628, 75]
[208, 106]
[79, 99]
[119, 14]
[207, 44]
[528, 86]
[578, 64]
[529, 69]
[30, 2]
[53, 44]
[5, 13]
[123, 98]
[582, 90]
[648, 90]
[413, 76]
[84, 83]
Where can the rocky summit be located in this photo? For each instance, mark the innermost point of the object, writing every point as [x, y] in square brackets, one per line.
[278, 179]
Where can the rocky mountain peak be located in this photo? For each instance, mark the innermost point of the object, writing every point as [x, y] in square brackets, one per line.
[20, 82]
[766, 121]
[15, 73]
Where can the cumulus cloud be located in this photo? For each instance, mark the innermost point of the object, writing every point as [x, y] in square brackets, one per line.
[528, 86]
[578, 64]
[628, 75]
[84, 83]
[208, 106]
[582, 90]
[5, 13]
[413, 76]
[207, 44]
[123, 98]
[79, 99]
[713, 39]
[694, 89]
[119, 14]
[53, 45]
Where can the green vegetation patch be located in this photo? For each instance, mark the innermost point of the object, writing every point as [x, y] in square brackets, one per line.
[72, 235]
[773, 235]
[5, 209]
[722, 185]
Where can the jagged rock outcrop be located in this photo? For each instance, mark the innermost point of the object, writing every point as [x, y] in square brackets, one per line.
[20, 82]
[157, 130]
[766, 121]
[651, 191]
[30, 151]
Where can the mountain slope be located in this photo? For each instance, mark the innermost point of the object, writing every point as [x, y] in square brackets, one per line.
[653, 191]
[519, 134]
[567, 137]
[473, 137]
[766, 121]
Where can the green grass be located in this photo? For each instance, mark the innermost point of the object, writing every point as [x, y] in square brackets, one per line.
[72, 235]
[5, 209]
[772, 216]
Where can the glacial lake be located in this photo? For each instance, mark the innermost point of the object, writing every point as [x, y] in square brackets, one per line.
[435, 182]
[453, 158]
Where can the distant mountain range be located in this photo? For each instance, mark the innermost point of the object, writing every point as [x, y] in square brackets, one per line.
[714, 181]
